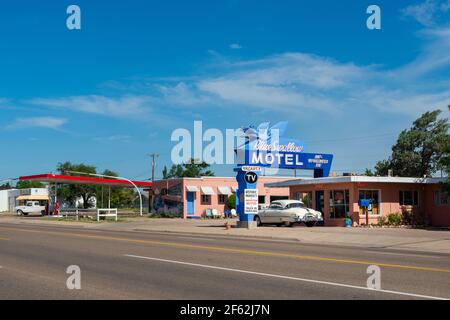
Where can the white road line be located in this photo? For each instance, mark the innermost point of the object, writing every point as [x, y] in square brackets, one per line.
[403, 254]
[286, 277]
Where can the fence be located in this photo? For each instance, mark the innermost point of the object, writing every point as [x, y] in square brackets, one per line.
[64, 213]
[90, 213]
[108, 213]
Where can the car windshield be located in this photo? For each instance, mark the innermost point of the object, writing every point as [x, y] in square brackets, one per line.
[295, 205]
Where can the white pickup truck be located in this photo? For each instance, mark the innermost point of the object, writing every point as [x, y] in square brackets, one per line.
[29, 208]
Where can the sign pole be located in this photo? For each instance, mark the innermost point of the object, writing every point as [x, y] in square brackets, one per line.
[246, 198]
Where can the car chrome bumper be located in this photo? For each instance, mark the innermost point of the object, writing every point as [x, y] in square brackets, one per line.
[309, 219]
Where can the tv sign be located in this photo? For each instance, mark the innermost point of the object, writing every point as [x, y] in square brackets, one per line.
[251, 177]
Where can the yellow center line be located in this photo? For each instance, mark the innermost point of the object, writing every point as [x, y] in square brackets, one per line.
[4, 239]
[232, 250]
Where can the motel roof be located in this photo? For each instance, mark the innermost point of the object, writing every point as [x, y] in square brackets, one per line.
[350, 179]
[65, 179]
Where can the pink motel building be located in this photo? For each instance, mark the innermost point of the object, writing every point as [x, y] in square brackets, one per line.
[337, 197]
[195, 197]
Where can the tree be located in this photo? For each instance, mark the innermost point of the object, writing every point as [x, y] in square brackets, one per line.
[445, 164]
[72, 192]
[192, 169]
[176, 171]
[382, 168]
[418, 151]
[231, 201]
[368, 172]
[5, 186]
[25, 184]
[118, 196]
[196, 169]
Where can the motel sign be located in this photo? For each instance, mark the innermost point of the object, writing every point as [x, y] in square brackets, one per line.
[271, 151]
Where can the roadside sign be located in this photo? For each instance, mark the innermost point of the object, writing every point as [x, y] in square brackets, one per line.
[251, 177]
[251, 168]
[251, 201]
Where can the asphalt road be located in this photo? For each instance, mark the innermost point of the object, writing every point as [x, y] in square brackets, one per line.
[143, 265]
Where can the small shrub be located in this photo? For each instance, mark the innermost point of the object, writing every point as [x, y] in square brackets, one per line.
[394, 219]
[407, 217]
[382, 221]
[170, 215]
[231, 201]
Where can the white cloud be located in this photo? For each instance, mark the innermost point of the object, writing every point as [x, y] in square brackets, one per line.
[115, 139]
[37, 122]
[235, 46]
[288, 81]
[181, 94]
[129, 106]
[296, 82]
[292, 83]
[428, 12]
[433, 57]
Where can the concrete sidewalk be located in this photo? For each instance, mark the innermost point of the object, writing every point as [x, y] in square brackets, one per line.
[437, 241]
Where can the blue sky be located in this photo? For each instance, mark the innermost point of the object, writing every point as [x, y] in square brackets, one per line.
[113, 92]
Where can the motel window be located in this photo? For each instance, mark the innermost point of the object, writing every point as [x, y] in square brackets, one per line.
[206, 199]
[339, 203]
[223, 198]
[374, 200]
[408, 198]
[261, 199]
[305, 197]
[441, 198]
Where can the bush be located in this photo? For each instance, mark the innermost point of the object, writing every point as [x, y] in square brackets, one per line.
[170, 215]
[231, 201]
[407, 217]
[382, 221]
[394, 219]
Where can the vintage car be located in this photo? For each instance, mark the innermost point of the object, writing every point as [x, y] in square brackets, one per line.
[288, 213]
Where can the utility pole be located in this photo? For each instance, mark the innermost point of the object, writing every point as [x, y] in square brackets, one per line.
[154, 156]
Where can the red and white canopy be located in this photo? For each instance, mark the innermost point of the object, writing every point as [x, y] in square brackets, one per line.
[64, 179]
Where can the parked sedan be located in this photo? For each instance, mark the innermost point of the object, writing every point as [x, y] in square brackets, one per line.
[288, 213]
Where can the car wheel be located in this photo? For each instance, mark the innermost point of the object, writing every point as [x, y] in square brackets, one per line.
[310, 224]
[258, 221]
[19, 212]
